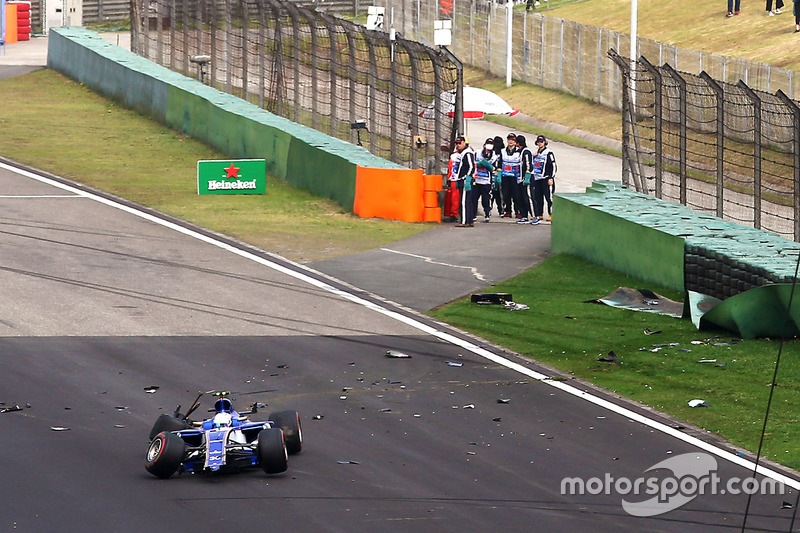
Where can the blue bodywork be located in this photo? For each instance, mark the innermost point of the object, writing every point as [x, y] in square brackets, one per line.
[216, 445]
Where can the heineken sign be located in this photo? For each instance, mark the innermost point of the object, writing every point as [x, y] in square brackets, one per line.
[245, 176]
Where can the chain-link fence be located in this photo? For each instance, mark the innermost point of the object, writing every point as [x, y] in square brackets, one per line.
[390, 95]
[716, 147]
[564, 55]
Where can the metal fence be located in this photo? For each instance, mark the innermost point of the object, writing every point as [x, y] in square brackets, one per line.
[721, 148]
[563, 55]
[314, 68]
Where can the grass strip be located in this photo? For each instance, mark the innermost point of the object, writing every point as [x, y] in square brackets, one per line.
[63, 127]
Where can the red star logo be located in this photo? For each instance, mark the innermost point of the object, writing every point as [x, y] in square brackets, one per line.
[232, 172]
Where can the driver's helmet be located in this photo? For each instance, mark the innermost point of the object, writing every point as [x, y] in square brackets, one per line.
[222, 420]
[223, 405]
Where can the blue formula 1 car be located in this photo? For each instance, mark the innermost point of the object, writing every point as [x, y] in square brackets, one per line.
[227, 441]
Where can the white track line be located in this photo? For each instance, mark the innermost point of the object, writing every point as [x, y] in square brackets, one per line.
[444, 336]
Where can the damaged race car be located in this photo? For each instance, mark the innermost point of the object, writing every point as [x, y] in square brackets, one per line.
[226, 441]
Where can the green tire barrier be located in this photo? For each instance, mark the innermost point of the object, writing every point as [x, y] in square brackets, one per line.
[669, 244]
[301, 156]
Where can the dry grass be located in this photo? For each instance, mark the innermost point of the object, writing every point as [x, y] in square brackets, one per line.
[700, 26]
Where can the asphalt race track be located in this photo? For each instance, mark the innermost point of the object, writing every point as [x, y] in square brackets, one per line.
[99, 304]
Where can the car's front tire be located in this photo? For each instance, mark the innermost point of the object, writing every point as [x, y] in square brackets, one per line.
[271, 449]
[166, 422]
[289, 422]
[164, 455]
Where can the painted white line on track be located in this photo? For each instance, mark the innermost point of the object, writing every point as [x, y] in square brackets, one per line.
[40, 196]
[432, 261]
[444, 336]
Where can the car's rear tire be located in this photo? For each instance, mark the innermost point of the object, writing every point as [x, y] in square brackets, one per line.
[164, 455]
[167, 423]
[271, 449]
[289, 422]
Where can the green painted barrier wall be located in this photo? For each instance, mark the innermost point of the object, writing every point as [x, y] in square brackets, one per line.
[610, 233]
[299, 155]
[668, 243]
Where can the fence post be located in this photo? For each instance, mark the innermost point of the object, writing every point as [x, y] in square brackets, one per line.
[756, 152]
[261, 5]
[626, 134]
[293, 14]
[373, 76]
[330, 24]
[228, 33]
[793, 107]
[414, 99]
[579, 60]
[245, 58]
[658, 123]
[682, 103]
[351, 45]
[720, 96]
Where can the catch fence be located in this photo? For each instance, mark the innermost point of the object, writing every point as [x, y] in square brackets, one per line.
[721, 148]
[317, 69]
[564, 55]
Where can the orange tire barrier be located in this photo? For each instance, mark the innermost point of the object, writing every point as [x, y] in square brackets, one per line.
[432, 182]
[11, 24]
[391, 193]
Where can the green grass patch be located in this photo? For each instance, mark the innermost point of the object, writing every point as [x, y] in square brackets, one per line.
[63, 127]
[562, 331]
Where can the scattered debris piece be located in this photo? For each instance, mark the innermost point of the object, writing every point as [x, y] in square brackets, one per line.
[118, 426]
[59, 428]
[514, 306]
[707, 361]
[491, 298]
[417, 415]
[787, 505]
[151, 389]
[317, 417]
[504, 400]
[697, 342]
[570, 318]
[610, 358]
[472, 453]
[497, 419]
[684, 350]
[397, 355]
[721, 364]
[469, 406]
[648, 331]
[698, 403]
[348, 462]
[450, 363]
[342, 397]
[120, 408]
[641, 300]
[283, 366]
[11, 409]
[386, 410]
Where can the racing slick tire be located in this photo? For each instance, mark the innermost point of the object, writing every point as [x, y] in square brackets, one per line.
[167, 423]
[271, 451]
[289, 422]
[164, 455]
